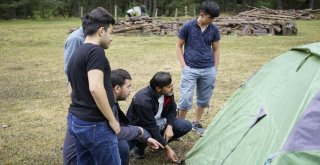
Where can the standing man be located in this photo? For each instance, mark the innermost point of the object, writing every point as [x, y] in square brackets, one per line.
[199, 61]
[154, 109]
[90, 119]
[129, 135]
[72, 43]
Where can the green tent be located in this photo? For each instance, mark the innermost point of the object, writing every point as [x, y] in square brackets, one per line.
[274, 118]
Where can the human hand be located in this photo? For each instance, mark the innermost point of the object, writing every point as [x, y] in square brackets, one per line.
[114, 124]
[154, 144]
[168, 133]
[171, 154]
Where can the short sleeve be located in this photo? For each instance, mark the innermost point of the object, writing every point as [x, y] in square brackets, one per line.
[183, 32]
[216, 34]
[96, 59]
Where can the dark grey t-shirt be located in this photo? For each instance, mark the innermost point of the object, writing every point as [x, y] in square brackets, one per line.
[86, 58]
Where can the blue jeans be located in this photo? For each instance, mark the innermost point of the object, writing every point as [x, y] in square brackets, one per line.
[96, 142]
[124, 150]
[69, 150]
[203, 79]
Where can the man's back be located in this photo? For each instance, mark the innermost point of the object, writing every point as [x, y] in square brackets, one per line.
[74, 41]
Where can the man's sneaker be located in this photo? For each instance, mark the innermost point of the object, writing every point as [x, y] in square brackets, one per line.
[198, 127]
[138, 154]
[178, 139]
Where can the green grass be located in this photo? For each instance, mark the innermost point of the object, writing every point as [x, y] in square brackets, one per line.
[33, 100]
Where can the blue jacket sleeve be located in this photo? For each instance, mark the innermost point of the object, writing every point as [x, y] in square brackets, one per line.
[128, 132]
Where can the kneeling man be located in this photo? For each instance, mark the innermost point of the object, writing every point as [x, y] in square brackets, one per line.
[154, 109]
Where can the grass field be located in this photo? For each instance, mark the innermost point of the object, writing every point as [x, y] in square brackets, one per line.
[33, 100]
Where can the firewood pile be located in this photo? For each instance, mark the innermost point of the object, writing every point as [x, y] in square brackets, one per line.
[255, 26]
[258, 21]
[263, 21]
[147, 25]
[267, 13]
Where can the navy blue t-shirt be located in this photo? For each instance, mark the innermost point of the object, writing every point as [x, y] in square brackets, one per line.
[198, 52]
[86, 58]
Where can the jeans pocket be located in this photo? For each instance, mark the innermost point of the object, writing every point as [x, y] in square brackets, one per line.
[85, 133]
[185, 68]
[185, 84]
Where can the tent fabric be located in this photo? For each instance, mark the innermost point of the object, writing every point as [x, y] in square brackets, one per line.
[298, 158]
[306, 134]
[283, 93]
[310, 48]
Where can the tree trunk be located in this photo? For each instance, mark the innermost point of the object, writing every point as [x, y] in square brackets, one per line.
[111, 7]
[150, 8]
[234, 6]
[279, 4]
[243, 2]
[251, 2]
[76, 9]
[128, 7]
[316, 4]
[225, 5]
[154, 7]
[311, 4]
[12, 13]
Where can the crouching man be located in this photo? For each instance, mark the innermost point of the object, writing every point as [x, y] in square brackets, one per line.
[129, 134]
[154, 109]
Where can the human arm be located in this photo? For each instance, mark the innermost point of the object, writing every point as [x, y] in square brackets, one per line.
[99, 94]
[129, 132]
[168, 133]
[171, 154]
[216, 53]
[147, 121]
[179, 52]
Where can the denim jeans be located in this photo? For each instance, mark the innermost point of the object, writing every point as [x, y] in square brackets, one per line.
[124, 150]
[203, 79]
[96, 142]
[69, 149]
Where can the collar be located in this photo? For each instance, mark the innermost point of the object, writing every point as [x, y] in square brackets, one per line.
[154, 94]
[195, 23]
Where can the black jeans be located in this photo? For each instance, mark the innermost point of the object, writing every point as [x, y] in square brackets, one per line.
[180, 128]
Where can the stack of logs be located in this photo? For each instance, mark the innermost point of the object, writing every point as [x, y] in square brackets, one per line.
[258, 21]
[263, 21]
[147, 25]
[265, 12]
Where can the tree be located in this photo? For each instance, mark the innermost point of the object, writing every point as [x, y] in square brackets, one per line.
[154, 8]
[279, 4]
[234, 6]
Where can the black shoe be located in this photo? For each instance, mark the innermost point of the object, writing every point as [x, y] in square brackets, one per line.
[138, 154]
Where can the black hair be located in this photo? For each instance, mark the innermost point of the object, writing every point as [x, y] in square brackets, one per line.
[119, 76]
[160, 79]
[99, 17]
[211, 8]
